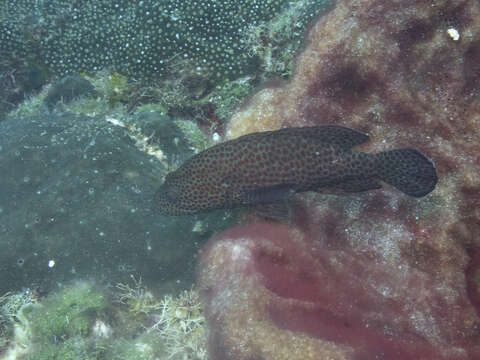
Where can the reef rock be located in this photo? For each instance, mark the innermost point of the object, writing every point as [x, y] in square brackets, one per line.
[76, 190]
[369, 63]
[374, 274]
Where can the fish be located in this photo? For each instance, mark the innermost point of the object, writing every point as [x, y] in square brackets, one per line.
[270, 167]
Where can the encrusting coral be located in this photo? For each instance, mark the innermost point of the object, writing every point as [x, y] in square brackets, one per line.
[142, 39]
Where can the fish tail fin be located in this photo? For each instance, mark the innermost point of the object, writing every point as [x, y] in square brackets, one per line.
[408, 170]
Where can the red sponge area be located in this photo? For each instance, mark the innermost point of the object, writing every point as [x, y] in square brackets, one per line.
[265, 278]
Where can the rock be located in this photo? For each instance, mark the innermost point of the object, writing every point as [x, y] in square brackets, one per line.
[162, 130]
[78, 191]
[381, 67]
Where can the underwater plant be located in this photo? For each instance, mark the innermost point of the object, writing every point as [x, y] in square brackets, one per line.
[178, 322]
[57, 327]
[181, 324]
[69, 313]
[78, 322]
[137, 298]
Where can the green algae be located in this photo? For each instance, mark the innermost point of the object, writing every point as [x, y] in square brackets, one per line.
[67, 314]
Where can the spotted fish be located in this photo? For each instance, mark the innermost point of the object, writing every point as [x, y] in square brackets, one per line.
[268, 167]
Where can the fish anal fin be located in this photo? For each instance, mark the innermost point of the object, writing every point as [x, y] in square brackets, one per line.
[359, 185]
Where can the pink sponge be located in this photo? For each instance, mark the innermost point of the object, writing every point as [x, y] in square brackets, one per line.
[272, 292]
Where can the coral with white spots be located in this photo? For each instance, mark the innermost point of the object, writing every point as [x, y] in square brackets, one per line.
[143, 39]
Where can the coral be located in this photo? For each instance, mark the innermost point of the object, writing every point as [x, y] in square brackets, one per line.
[209, 103]
[142, 39]
[157, 108]
[15, 332]
[113, 88]
[21, 74]
[276, 292]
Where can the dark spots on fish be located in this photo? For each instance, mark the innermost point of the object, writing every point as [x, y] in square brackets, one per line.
[408, 170]
[171, 195]
[269, 167]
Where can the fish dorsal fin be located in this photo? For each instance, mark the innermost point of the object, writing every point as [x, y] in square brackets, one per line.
[340, 136]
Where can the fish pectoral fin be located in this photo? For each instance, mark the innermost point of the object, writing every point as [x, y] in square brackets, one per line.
[252, 195]
[279, 211]
[358, 185]
[269, 194]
